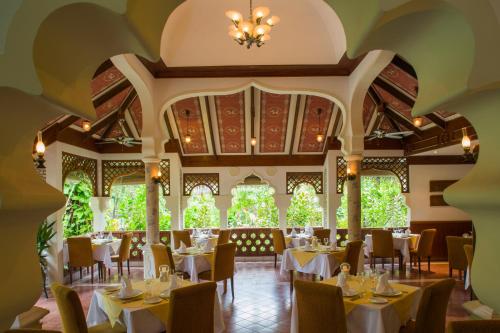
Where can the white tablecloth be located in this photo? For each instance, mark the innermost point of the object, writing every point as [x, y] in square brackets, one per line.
[324, 264]
[102, 250]
[139, 320]
[299, 240]
[203, 240]
[400, 243]
[192, 264]
[368, 318]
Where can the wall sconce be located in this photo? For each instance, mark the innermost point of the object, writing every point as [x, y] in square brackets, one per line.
[466, 144]
[157, 179]
[86, 126]
[350, 175]
[253, 141]
[40, 152]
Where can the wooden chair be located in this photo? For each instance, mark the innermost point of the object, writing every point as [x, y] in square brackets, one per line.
[80, 255]
[424, 248]
[223, 236]
[181, 236]
[223, 266]
[123, 254]
[456, 254]
[320, 308]
[474, 326]
[160, 257]
[321, 234]
[278, 244]
[431, 314]
[351, 257]
[192, 309]
[30, 330]
[383, 247]
[72, 316]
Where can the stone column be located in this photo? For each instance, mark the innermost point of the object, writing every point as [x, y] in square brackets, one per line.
[152, 166]
[282, 202]
[223, 203]
[99, 205]
[354, 198]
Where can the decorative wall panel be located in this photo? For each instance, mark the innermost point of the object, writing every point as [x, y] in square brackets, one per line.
[191, 180]
[72, 163]
[165, 176]
[113, 169]
[293, 179]
[397, 165]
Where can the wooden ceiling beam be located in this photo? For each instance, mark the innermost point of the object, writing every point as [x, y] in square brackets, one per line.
[111, 119]
[394, 91]
[404, 66]
[436, 120]
[112, 91]
[402, 120]
[51, 133]
[103, 67]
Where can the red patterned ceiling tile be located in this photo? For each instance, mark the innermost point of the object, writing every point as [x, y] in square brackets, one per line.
[308, 143]
[401, 79]
[136, 113]
[230, 110]
[274, 110]
[116, 131]
[105, 80]
[112, 104]
[198, 144]
[368, 110]
[386, 126]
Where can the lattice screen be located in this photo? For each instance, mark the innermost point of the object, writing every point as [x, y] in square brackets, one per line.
[191, 180]
[71, 163]
[293, 179]
[165, 176]
[114, 169]
[397, 165]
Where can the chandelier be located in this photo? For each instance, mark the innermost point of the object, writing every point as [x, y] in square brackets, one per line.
[254, 30]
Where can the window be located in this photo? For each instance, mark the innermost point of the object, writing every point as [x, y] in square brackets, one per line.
[78, 216]
[127, 209]
[253, 206]
[382, 204]
[304, 208]
[201, 211]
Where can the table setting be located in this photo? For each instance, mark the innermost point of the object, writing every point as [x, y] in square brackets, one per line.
[103, 247]
[296, 239]
[141, 306]
[203, 237]
[371, 302]
[403, 241]
[194, 260]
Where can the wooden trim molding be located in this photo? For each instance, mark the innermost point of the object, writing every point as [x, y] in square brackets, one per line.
[440, 185]
[437, 200]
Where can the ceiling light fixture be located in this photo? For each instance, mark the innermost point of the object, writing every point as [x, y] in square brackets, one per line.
[253, 141]
[86, 126]
[319, 137]
[418, 121]
[254, 30]
[187, 137]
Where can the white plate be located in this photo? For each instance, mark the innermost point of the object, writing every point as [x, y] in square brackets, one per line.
[135, 293]
[111, 288]
[153, 300]
[390, 293]
[378, 300]
[350, 293]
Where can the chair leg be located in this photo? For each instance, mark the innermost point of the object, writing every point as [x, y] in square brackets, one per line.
[291, 281]
[450, 273]
[429, 263]
[419, 266]
[225, 286]
[128, 266]
[465, 275]
[92, 274]
[70, 275]
[232, 287]
[109, 272]
[275, 259]
[383, 263]
[392, 263]
[80, 272]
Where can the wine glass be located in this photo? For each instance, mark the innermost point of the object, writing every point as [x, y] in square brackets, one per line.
[326, 241]
[148, 293]
[180, 277]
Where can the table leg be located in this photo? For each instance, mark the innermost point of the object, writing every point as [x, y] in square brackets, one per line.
[291, 281]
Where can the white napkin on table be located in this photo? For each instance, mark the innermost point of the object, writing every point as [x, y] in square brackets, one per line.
[293, 233]
[407, 232]
[182, 248]
[383, 284]
[126, 288]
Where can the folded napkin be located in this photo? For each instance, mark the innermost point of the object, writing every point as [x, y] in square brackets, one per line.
[383, 284]
[293, 233]
[126, 288]
[182, 248]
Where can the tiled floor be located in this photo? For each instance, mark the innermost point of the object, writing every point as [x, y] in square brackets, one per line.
[262, 298]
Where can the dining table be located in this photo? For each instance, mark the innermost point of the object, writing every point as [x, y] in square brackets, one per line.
[193, 261]
[137, 316]
[363, 316]
[102, 250]
[300, 239]
[402, 242]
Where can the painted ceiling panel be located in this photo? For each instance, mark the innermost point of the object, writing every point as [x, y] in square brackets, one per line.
[368, 110]
[198, 144]
[401, 79]
[136, 113]
[310, 128]
[274, 110]
[105, 80]
[231, 122]
[112, 104]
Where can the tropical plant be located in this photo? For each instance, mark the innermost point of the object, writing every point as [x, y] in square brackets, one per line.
[253, 206]
[78, 216]
[201, 211]
[43, 237]
[304, 208]
[382, 204]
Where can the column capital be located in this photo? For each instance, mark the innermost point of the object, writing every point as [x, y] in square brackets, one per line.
[354, 157]
[151, 160]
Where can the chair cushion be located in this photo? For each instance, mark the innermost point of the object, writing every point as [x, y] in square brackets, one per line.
[106, 328]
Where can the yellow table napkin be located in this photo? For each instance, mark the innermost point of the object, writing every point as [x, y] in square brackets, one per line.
[303, 257]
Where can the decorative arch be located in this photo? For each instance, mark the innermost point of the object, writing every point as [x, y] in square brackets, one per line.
[397, 165]
[72, 163]
[111, 170]
[294, 179]
[192, 180]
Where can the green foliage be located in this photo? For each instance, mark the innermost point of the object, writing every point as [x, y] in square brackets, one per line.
[43, 237]
[201, 211]
[127, 209]
[382, 204]
[78, 216]
[253, 206]
[304, 208]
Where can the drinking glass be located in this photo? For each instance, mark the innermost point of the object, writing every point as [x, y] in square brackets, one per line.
[180, 277]
[326, 241]
[148, 293]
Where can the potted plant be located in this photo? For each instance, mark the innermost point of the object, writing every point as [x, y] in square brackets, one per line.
[44, 236]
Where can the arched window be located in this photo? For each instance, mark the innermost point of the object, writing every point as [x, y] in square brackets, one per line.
[253, 206]
[382, 204]
[201, 211]
[304, 209]
[78, 217]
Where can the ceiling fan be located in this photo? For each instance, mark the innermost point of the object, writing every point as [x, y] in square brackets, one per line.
[381, 134]
[125, 139]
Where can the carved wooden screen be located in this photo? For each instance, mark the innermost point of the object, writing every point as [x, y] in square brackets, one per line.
[293, 179]
[396, 165]
[165, 176]
[71, 163]
[191, 180]
[111, 170]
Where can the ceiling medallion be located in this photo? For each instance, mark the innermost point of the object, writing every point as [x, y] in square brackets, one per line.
[254, 30]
